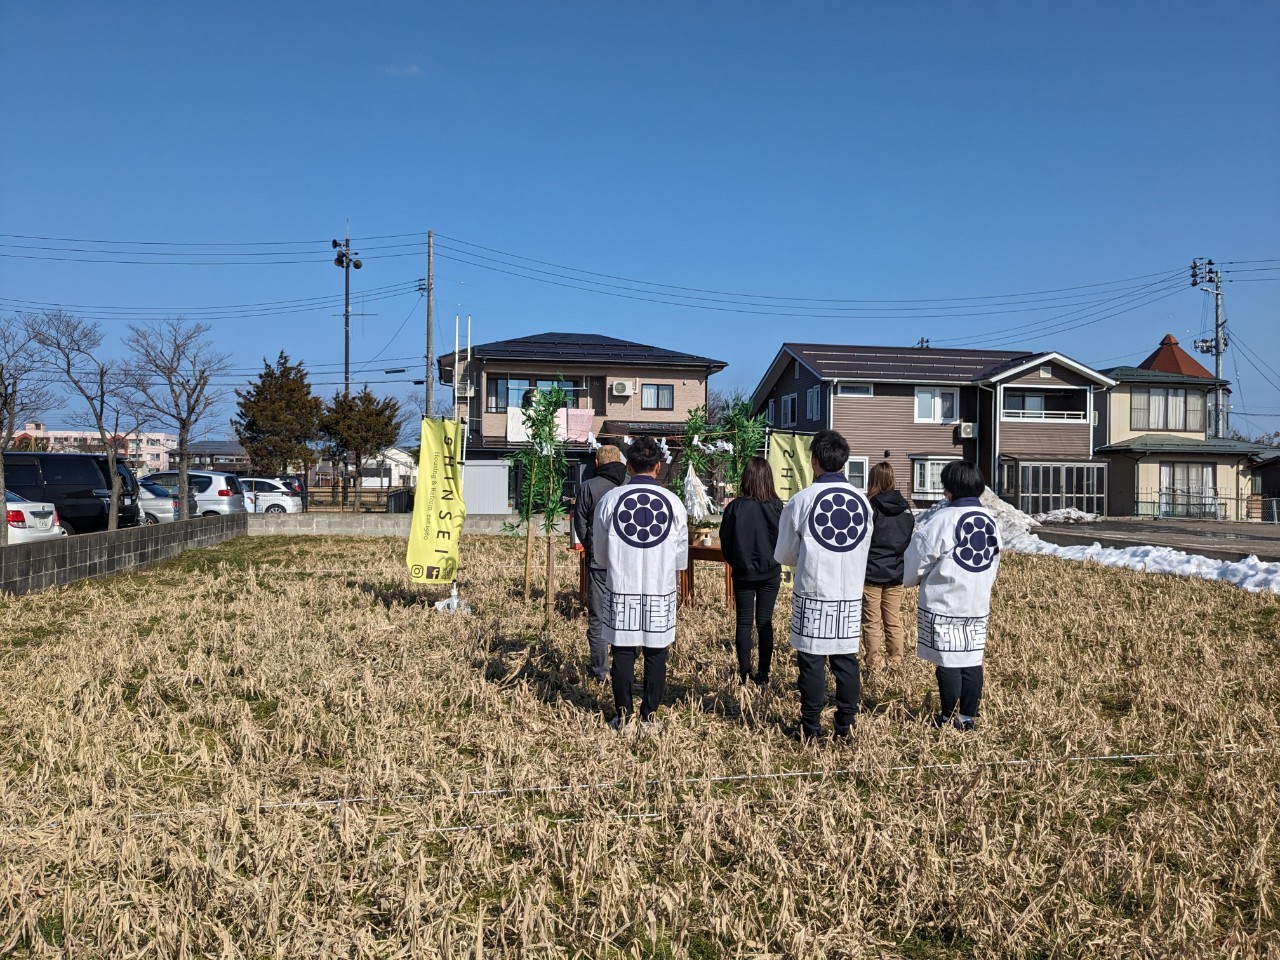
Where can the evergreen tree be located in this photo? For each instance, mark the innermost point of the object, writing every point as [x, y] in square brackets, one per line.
[278, 418]
[359, 426]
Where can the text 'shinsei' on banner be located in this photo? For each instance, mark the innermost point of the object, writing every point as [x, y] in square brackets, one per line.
[790, 462]
[438, 507]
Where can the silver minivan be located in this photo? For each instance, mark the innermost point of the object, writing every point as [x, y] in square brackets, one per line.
[215, 493]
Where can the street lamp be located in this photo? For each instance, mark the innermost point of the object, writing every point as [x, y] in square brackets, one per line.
[346, 259]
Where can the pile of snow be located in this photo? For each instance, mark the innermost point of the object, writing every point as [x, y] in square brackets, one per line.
[1010, 521]
[1248, 574]
[1067, 515]
[1015, 535]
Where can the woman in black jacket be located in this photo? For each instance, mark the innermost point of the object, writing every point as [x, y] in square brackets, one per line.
[748, 536]
[882, 592]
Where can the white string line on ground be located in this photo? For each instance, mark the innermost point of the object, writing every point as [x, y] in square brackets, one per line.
[322, 803]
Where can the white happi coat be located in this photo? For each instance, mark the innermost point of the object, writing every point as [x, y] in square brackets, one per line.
[953, 556]
[825, 534]
[641, 538]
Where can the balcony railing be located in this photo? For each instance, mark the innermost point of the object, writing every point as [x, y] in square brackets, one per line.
[1042, 415]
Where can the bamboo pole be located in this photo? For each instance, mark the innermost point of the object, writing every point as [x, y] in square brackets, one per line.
[549, 599]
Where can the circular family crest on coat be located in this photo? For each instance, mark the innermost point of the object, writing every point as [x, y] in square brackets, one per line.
[977, 542]
[643, 519]
[838, 520]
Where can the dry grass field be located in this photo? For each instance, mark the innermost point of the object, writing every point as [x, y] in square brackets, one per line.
[276, 748]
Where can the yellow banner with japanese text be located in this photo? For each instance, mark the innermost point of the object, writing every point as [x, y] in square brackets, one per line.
[438, 507]
[790, 462]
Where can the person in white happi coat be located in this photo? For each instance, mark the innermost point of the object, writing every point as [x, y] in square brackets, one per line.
[825, 534]
[641, 538]
[954, 556]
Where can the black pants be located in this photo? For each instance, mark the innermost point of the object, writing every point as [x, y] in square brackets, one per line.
[624, 674]
[595, 610]
[962, 685]
[813, 689]
[753, 601]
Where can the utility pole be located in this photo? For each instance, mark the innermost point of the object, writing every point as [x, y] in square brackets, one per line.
[346, 260]
[1218, 345]
[431, 327]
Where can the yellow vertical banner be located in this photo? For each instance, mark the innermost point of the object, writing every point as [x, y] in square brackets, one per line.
[438, 507]
[790, 462]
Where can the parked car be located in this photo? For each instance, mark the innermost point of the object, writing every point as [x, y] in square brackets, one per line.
[215, 493]
[77, 484]
[29, 521]
[267, 495]
[293, 483]
[161, 506]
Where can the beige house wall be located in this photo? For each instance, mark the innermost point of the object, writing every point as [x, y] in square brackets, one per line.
[689, 390]
[1119, 417]
[1233, 480]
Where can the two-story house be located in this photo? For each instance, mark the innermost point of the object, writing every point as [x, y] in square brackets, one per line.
[1157, 434]
[1025, 418]
[617, 388]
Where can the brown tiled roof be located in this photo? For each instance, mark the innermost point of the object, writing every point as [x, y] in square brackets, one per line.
[908, 364]
[592, 348]
[1171, 358]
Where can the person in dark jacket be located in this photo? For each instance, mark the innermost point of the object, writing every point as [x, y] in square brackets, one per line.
[748, 536]
[610, 472]
[882, 632]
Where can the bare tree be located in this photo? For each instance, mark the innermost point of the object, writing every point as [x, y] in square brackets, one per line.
[71, 348]
[176, 373]
[24, 394]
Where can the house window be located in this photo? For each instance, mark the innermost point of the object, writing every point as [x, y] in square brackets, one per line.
[499, 393]
[928, 475]
[855, 390]
[1052, 486]
[504, 392]
[770, 414]
[1046, 370]
[789, 410]
[1026, 403]
[1166, 408]
[937, 404]
[856, 470]
[1189, 490]
[657, 396]
[813, 403]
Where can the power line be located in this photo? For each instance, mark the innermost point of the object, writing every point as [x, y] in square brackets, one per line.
[330, 303]
[166, 243]
[748, 296]
[403, 286]
[787, 309]
[1066, 321]
[737, 308]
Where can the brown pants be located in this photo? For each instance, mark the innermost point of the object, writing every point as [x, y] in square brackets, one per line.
[882, 631]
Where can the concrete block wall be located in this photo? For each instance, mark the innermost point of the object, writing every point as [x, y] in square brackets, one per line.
[28, 567]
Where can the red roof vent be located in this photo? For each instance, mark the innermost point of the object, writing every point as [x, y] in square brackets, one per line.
[1171, 358]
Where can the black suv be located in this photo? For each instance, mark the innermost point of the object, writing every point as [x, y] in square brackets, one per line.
[77, 484]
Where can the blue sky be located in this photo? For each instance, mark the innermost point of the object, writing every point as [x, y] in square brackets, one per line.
[848, 152]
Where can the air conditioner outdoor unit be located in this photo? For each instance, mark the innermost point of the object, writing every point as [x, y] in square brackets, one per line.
[463, 390]
[621, 388]
[968, 431]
